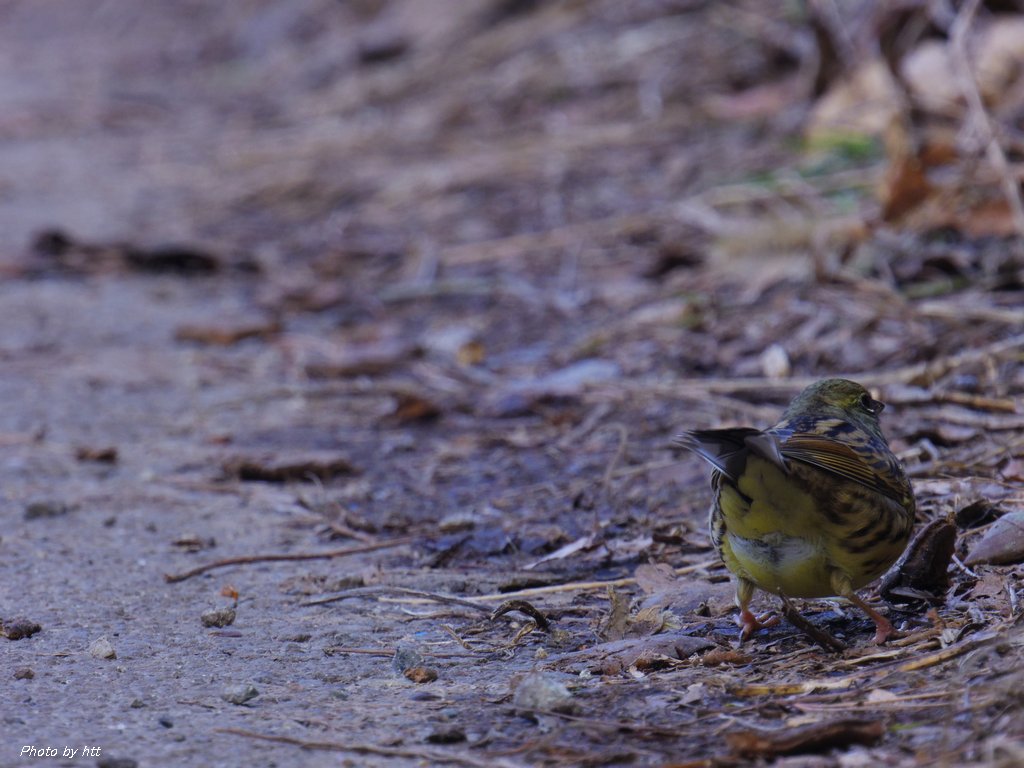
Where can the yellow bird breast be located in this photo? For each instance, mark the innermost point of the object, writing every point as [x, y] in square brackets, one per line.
[774, 530]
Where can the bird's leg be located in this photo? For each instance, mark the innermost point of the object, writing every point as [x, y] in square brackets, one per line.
[883, 627]
[749, 623]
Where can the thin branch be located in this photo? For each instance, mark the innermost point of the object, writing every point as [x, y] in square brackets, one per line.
[431, 756]
[582, 586]
[818, 635]
[173, 578]
[384, 589]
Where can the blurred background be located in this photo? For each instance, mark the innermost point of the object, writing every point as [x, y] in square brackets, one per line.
[284, 276]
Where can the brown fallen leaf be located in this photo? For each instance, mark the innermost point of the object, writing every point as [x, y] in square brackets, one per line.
[103, 455]
[411, 409]
[991, 585]
[1013, 470]
[181, 259]
[291, 468]
[905, 187]
[1002, 543]
[922, 570]
[364, 359]
[664, 589]
[655, 578]
[471, 353]
[613, 626]
[815, 737]
[421, 674]
[977, 513]
[63, 251]
[226, 333]
[621, 622]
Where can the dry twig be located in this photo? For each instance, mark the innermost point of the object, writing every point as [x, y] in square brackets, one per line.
[384, 589]
[431, 756]
[172, 578]
[818, 635]
[976, 107]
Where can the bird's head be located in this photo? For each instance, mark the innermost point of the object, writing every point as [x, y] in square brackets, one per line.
[838, 398]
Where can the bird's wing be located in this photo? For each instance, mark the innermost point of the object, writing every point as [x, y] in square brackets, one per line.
[727, 449]
[875, 469]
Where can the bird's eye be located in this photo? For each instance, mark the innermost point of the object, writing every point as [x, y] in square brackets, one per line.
[871, 405]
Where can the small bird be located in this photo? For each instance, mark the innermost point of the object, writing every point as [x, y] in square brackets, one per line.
[816, 506]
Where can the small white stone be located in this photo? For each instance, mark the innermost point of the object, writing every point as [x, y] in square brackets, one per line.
[775, 362]
[101, 648]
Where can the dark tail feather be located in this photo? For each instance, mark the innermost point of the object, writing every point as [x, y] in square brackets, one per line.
[727, 449]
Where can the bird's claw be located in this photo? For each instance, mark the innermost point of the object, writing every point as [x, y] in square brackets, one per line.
[749, 623]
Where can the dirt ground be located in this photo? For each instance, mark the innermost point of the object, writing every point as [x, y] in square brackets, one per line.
[404, 302]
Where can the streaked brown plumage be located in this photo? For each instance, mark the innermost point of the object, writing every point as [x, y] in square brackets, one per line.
[815, 506]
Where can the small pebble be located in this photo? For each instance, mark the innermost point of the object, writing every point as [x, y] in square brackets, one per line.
[775, 362]
[542, 691]
[166, 722]
[239, 693]
[24, 673]
[102, 649]
[406, 657]
[221, 617]
[18, 629]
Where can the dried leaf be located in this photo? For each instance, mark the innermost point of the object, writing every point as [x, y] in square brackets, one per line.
[102, 455]
[226, 333]
[905, 187]
[613, 626]
[1002, 543]
[717, 656]
[364, 359]
[615, 657]
[817, 737]
[471, 353]
[991, 584]
[421, 674]
[411, 408]
[653, 578]
[922, 571]
[277, 469]
[977, 513]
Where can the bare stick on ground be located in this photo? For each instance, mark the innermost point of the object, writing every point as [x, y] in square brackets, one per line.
[173, 578]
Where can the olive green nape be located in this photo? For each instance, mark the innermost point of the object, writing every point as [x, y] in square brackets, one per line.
[837, 398]
[841, 393]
